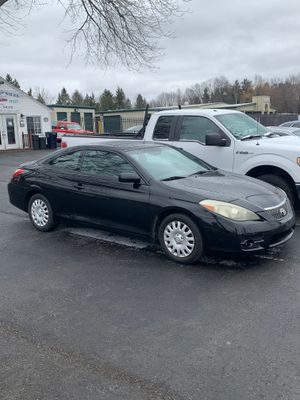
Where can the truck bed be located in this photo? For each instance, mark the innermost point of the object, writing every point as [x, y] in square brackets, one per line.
[69, 140]
[107, 136]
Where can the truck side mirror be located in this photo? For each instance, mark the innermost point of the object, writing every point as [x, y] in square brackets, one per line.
[215, 139]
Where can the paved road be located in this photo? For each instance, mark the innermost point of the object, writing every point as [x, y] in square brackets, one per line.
[84, 315]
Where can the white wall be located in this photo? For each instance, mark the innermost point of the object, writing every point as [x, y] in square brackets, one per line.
[32, 108]
[26, 106]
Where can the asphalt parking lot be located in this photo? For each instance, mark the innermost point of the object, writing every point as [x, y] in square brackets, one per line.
[89, 315]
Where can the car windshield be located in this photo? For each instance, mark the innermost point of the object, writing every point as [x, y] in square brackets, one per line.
[76, 127]
[242, 126]
[166, 163]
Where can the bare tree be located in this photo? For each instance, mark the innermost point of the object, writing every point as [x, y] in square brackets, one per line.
[43, 95]
[111, 31]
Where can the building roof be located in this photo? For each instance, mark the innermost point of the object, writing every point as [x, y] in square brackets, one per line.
[183, 106]
[71, 106]
[23, 93]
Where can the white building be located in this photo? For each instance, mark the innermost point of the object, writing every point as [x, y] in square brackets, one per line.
[20, 115]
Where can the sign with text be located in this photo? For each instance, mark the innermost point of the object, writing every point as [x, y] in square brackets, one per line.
[9, 101]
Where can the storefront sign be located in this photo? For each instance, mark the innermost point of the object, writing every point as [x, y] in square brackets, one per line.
[9, 101]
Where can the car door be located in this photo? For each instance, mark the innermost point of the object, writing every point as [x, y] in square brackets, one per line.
[57, 179]
[106, 201]
[190, 135]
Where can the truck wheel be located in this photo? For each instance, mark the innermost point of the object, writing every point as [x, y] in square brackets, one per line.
[40, 213]
[280, 182]
[180, 239]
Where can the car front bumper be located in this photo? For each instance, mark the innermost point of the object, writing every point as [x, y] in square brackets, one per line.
[248, 236]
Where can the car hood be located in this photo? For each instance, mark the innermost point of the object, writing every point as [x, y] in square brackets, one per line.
[229, 187]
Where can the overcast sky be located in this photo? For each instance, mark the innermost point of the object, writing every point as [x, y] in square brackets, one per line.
[233, 38]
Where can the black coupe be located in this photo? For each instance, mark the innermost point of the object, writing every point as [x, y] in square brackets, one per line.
[156, 191]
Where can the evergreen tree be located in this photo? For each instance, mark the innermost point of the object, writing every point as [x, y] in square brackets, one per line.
[77, 98]
[29, 92]
[12, 81]
[107, 101]
[90, 101]
[41, 99]
[140, 102]
[8, 78]
[120, 99]
[247, 90]
[128, 104]
[63, 98]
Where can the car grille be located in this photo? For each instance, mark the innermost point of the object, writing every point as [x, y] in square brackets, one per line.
[281, 211]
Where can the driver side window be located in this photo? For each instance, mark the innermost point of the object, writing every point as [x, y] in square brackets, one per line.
[104, 164]
[195, 128]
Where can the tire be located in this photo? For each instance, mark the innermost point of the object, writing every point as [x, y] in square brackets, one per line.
[279, 181]
[41, 214]
[180, 239]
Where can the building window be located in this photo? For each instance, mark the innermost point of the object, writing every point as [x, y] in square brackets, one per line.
[61, 116]
[88, 121]
[75, 117]
[34, 126]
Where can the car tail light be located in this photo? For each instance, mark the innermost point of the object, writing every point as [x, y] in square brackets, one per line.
[63, 144]
[17, 173]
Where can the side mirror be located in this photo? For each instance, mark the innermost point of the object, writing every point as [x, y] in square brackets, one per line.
[129, 177]
[215, 139]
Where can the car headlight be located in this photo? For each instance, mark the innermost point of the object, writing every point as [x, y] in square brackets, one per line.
[229, 210]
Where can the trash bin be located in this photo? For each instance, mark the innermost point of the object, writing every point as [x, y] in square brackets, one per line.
[35, 142]
[42, 142]
[51, 140]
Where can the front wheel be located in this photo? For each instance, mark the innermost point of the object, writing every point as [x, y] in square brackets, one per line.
[40, 213]
[180, 239]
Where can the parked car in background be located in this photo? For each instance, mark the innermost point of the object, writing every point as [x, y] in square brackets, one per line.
[284, 130]
[162, 193]
[63, 127]
[134, 129]
[295, 123]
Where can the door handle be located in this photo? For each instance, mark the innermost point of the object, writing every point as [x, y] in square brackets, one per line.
[79, 186]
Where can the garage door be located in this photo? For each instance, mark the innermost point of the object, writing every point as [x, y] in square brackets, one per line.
[112, 124]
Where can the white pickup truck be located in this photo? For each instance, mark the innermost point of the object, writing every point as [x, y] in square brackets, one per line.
[229, 140]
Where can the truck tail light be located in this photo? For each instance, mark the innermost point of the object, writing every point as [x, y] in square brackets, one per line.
[63, 144]
[17, 173]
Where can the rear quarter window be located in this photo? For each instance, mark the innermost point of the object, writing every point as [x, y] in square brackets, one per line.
[163, 128]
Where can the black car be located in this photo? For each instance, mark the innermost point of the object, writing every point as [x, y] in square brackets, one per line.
[156, 191]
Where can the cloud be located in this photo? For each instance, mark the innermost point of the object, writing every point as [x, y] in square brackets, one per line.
[213, 39]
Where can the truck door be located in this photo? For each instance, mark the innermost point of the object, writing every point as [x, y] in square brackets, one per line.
[191, 131]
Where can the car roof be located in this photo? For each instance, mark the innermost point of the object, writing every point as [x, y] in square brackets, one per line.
[199, 111]
[289, 122]
[119, 145]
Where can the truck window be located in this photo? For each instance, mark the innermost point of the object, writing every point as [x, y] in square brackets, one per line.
[196, 128]
[163, 128]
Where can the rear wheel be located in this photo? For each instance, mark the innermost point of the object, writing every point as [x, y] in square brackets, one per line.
[180, 239]
[280, 182]
[40, 213]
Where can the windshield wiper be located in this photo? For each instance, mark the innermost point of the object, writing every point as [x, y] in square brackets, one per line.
[249, 137]
[200, 172]
[173, 178]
